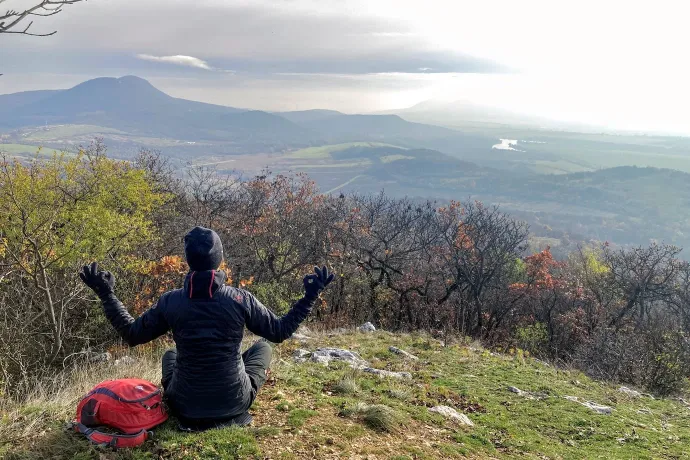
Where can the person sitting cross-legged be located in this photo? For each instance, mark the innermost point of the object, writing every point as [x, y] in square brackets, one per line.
[207, 382]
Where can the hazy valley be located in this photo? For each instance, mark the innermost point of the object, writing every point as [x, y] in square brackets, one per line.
[571, 187]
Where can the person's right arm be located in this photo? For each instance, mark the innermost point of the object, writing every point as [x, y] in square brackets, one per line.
[150, 325]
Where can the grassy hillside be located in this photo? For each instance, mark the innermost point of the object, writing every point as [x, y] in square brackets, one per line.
[308, 410]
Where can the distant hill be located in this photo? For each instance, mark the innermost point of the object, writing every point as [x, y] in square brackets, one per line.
[626, 205]
[129, 103]
[134, 106]
[306, 116]
[10, 102]
[394, 129]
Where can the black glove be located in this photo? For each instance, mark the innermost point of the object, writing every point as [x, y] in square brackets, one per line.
[101, 282]
[317, 282]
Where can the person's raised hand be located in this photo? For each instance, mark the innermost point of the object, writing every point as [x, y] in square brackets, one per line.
[101, 282]
[317, 281]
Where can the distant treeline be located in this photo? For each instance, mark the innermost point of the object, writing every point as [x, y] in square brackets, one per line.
[460, 269]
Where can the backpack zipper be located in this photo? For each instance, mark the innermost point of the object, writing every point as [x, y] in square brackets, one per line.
[112, 394]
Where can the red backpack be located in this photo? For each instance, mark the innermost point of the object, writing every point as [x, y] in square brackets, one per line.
[131, 406]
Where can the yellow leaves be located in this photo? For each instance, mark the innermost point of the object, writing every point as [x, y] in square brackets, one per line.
[247, 282]
[76, 208]
[3, 246]
[594, 263]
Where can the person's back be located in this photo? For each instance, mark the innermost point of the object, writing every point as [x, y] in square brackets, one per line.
[207, 379]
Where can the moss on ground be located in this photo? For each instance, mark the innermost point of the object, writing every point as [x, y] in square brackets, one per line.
[303, 412]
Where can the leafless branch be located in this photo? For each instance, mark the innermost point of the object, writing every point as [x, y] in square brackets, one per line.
[12, 21]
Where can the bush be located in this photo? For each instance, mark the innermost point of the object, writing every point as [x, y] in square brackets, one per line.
[655, 357]
[532, 337]
[276, 296]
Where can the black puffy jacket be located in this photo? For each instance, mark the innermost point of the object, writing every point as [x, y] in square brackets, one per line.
[207, 319]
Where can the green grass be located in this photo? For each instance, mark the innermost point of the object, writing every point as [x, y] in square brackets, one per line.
[324, 151]
[392, 158]
[24, 149]
[60, 132]
[299, 415]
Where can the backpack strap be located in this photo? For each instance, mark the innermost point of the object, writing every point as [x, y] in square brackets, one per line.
[112, 440]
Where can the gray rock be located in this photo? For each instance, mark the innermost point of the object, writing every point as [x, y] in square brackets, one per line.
[644, 411]
[384, 373]
[124, 361]
[630, 392]
[99, 357]
[401, 352]
[605, 410]
[300, 355]
[527, 394]
[451, 413]
[367, 327]
[320, 359]
[516, 390]
[326, 355]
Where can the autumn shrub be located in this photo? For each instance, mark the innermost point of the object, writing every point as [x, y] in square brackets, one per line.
[55, 215]
[655, 357]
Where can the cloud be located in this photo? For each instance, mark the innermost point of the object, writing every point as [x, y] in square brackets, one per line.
[188, 61]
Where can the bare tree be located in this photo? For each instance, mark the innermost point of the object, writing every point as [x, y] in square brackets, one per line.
[15, 21]
[480, 249]
[642, 277]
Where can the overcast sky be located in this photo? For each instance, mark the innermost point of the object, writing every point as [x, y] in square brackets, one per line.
[617, 63]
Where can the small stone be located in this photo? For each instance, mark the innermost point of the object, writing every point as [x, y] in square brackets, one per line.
[515, 390]
[644, 411]
[124, 361]
[325, 355]
[527, 394]
[300, 355]
[385, 373]
[630, 392]
[367, 327]
[605, 410]
[401, 352]
[449, 412]
[99, 357]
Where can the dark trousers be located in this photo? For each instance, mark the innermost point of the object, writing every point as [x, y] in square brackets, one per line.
[256, 360]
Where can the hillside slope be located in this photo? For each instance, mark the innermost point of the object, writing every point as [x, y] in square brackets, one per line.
[134, 106]
[308, 410]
